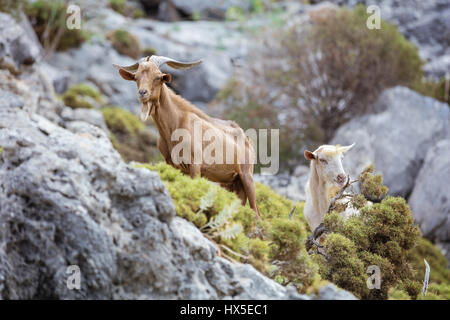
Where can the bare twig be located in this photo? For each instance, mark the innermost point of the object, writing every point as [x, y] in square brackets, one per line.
[339, 195]
[292, 213]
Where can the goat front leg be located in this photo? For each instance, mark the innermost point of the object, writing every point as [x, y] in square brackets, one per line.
[162, 146]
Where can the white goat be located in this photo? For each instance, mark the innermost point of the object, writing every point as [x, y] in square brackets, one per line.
[326, 178]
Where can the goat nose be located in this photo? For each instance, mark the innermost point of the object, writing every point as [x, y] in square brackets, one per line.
[142, 92]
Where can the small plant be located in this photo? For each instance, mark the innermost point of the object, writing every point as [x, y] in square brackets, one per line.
[129, 136]
[121, 121]
[48, 19]
[125, 43]
[82, 96]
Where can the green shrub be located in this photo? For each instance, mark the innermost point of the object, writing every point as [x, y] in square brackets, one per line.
[434, 89]
[48, 19]
[125, 43]
[424, 249]
[82, 96]
[121, 121]
[129, 136]
[274, 245]
[383, 234]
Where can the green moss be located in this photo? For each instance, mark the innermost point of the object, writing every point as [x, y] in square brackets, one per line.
[118, 6]
[148, 52]
[434, 89]
[138, 14]
[125, 43]
[82, 96]
[121, 121]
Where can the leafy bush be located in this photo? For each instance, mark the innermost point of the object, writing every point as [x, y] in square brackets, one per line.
[48, 19]
[125, 43]
[383, 234]
[320, 76]
[82, 96]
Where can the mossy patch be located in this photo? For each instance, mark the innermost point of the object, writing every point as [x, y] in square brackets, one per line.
[122, 121]
[125, 43]
[82, 96]
[124, 8]
[129, 136]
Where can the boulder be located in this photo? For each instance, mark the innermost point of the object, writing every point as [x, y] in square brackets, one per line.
[217, 44]
[68, 200]
[430, 198]
[19, 46]
[92, 63]
[172, 10]
[290, 186]
[208, 9]
[396, 139]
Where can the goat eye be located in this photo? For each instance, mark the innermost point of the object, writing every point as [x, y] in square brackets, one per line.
[323, 161]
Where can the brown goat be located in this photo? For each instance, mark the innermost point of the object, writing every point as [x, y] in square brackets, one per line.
[171, 112]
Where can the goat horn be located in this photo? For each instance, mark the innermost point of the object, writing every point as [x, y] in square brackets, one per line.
[132, 68]
[160, 60]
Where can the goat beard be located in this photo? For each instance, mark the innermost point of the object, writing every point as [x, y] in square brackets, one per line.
[146, 110]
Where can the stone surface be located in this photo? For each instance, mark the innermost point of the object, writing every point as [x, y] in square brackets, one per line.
[18, 44]
[397, 138]
[67, 198]
[331, 292]
[290, 186]
[430, 198]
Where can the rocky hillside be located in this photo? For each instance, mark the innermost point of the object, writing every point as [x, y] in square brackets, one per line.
[67, 198]
[71, 195]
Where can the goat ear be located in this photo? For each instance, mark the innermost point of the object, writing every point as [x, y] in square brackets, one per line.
[347, 148]
[309, 155]
[166, 78]
[127, 75]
